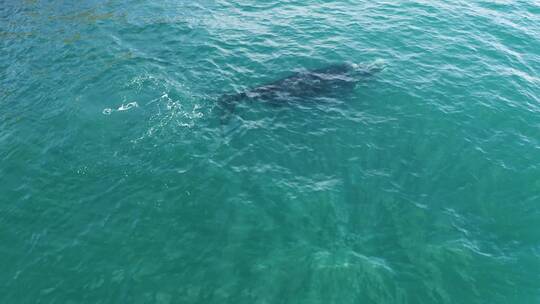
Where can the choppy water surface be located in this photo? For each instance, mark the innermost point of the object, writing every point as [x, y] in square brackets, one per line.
[119, 183]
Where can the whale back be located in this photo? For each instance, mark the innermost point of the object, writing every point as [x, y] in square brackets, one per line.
[305, 84]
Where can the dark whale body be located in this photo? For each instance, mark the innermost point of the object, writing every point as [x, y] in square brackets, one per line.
[304, 85]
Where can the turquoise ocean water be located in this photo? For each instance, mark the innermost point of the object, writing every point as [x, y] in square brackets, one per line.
[119, 183]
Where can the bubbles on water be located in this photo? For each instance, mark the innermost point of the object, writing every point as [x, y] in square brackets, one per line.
[140, 81]
[82, 170]
[166, 106]
[171, 115]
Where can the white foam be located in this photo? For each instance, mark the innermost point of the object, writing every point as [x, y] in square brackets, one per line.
[125, 107]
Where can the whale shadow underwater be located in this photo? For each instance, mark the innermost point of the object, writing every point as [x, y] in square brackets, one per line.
[303, 86]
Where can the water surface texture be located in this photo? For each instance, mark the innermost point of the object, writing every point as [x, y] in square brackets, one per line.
[121, 183]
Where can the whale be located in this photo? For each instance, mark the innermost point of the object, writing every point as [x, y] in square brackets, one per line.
[305, 85]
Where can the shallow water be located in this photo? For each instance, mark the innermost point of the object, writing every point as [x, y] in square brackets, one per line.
[121, 184]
